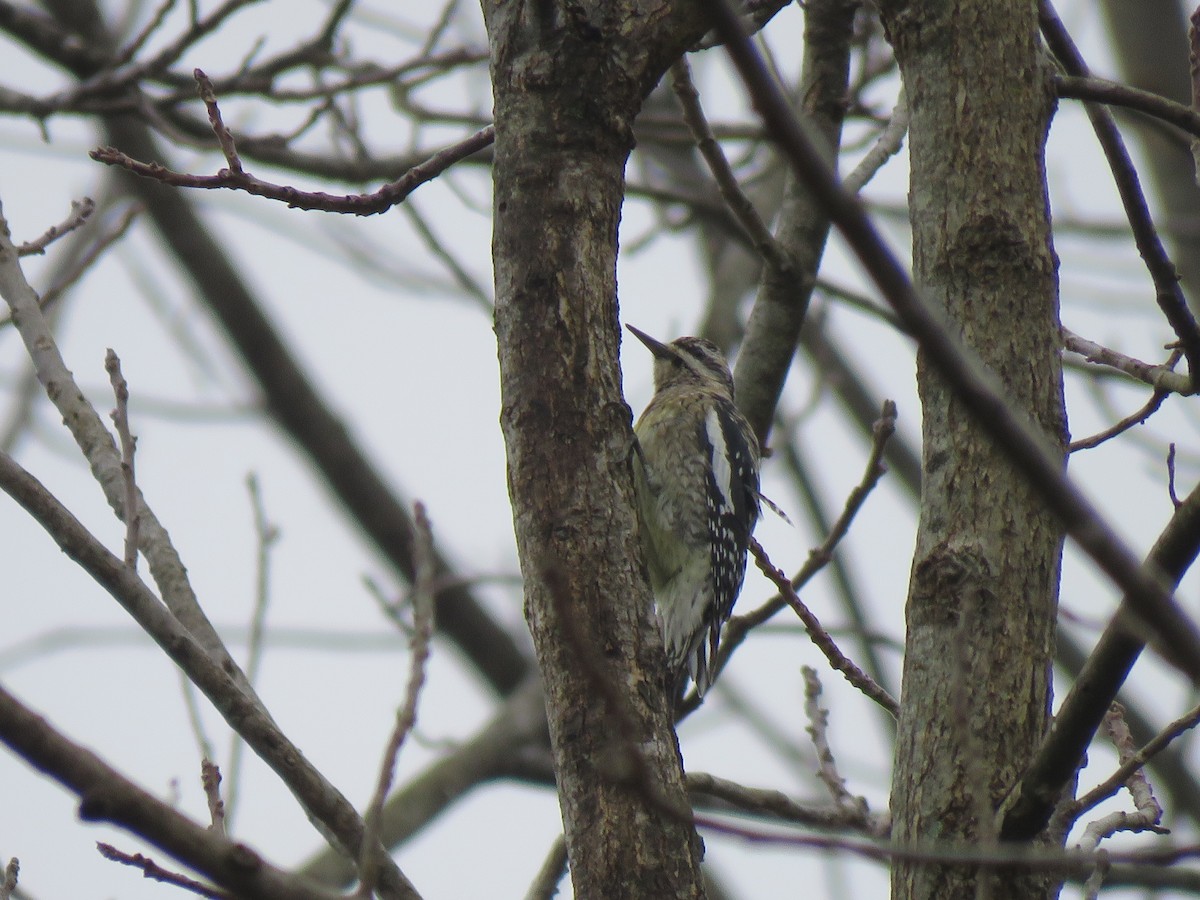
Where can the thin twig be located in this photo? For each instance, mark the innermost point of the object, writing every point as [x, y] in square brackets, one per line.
[1073, 864]
[779, 805]
[152, 870]
[81, 210]
[464, 279]
[101, 243]
[1146, 817]
[791, 455]
[224, 136]
[1168, 291]
[130, 50]
[96, 444]
[1144, 801]
[266, 534]
[818, 730]
[739, 204]
[1160, 377]
[439, 28]
[887, 145]
[191, 704]
[1100, 90]
[859, 301]
[1152, 748]
[1138, 417]
[406, 716]
[210, 780]
[120, 417]
[1175, 501]
[86, 260]
[112, 80]
[819, 636]
[356, 204]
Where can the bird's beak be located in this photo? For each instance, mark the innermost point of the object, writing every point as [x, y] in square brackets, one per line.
[658, 348]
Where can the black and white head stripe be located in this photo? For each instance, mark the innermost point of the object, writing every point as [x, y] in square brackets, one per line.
[705, 359]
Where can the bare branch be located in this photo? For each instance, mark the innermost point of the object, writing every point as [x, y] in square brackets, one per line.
[1148, 811]
[1136, 418]
[1134, 762]
[837, 660]
[139, 41]
[1159, 377]
[304, 413]
[238, 705]
[1112, 93]
[784, 292]
[81, 210]
[107, 796]
[818, 730]
[210, 780]
[501, 748]
[60, 285]
[779, 805]
[545, 884]
[120, 417]
[356, 204]
[1162, 271]
[266, 534]
[97, 446]
[887, 145]
[152, 870]
[1027, 807]
[739, 204]
[1176, 635]
[406, 716]
[224, 137]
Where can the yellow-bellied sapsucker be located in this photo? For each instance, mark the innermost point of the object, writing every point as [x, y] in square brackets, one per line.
[696, 476]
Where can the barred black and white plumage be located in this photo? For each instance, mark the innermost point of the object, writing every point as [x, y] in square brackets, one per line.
[696, 474]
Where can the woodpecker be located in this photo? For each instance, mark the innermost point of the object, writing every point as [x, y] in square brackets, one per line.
[696, 476]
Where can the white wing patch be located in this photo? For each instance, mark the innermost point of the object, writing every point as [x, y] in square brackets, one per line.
[722, 473]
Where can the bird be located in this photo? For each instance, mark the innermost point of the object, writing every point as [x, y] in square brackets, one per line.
[696, 479]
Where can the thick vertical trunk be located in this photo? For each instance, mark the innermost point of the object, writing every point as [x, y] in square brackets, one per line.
[983, 597]
[568, 80]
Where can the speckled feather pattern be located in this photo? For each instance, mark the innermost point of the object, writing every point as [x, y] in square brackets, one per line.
[696, 472]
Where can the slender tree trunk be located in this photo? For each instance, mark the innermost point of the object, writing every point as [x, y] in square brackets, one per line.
[983, 596]
[568, 80]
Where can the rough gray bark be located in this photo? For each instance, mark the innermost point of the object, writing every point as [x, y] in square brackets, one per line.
[983, 595]
[568, 80]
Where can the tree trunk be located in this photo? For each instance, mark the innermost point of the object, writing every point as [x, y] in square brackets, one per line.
[983, 595]
[568, 80]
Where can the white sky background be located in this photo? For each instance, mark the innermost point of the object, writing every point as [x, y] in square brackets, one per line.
[413, 370]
